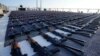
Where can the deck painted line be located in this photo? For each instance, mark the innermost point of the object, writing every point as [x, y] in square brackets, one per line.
[52, 35]
[68, 29]
[26, 48]
[63, 32]
[74, 26]
[43, 42]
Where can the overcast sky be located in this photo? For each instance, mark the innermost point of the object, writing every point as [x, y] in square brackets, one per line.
[55, 3]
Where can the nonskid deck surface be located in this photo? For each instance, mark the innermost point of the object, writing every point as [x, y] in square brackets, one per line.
[65, 38]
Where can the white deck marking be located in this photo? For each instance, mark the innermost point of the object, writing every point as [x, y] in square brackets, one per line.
[43, 42]
[63, 32]
[52, 35]
[74, 26]
[26, 48]
[69, 29]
